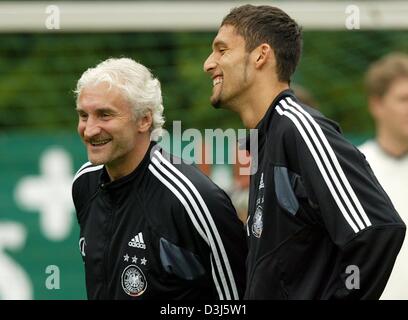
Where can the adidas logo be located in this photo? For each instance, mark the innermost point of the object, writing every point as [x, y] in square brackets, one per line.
[137, 241]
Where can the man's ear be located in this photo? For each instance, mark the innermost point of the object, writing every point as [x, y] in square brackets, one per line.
[263, 54]
[144, 123]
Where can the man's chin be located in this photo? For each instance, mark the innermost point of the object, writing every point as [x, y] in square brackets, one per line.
[95, 161]
[216, 103]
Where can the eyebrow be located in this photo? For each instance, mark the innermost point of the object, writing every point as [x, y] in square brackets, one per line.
[105, 110]
[100, 110]
[218, 43]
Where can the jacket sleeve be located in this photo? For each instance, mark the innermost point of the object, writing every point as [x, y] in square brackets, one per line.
[230, 238]
[204, 223]
[219, 237]
[352, 206]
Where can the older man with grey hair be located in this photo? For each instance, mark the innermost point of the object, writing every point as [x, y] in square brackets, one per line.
[151, 226]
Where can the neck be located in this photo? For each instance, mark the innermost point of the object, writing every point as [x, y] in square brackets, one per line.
[129, 162]
[254, 108]
[394, 146]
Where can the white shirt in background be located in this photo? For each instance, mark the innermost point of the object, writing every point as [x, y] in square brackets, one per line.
[392, 173]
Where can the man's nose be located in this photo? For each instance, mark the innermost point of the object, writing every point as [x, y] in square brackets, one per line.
[92, 128]
[209, 64]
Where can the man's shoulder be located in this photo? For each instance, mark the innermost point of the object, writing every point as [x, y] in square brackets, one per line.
[300, 122]
[87, 175]
[84, 184]
[191, 198]
[297, 117]
[182, 178]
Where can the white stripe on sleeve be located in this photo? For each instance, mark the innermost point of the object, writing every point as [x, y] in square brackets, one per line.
[319, 165]
[335, 162]
[209, 229]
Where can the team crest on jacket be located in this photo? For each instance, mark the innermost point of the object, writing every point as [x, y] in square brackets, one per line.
[257, 223]
[133, 281]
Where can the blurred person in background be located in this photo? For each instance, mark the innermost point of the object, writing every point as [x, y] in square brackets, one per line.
[387, 88]
[151, 227]
[320, 226]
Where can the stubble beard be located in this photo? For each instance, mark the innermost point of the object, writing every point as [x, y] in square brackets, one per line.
[102, 157]
[97, 159]
[216, 99]
[216, 102]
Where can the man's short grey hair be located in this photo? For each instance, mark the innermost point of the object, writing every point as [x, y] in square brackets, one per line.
[137, 83]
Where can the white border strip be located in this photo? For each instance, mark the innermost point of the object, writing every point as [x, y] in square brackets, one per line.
[116, 16]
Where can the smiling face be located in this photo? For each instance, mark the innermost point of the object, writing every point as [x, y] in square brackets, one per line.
[228, 67]
[107, 127]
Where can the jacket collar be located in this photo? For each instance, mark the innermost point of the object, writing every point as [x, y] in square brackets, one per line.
[266, 120]
[263, 123]
[104, 179]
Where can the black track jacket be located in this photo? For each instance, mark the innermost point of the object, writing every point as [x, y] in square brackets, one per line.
[320, 224]
[165, 231]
